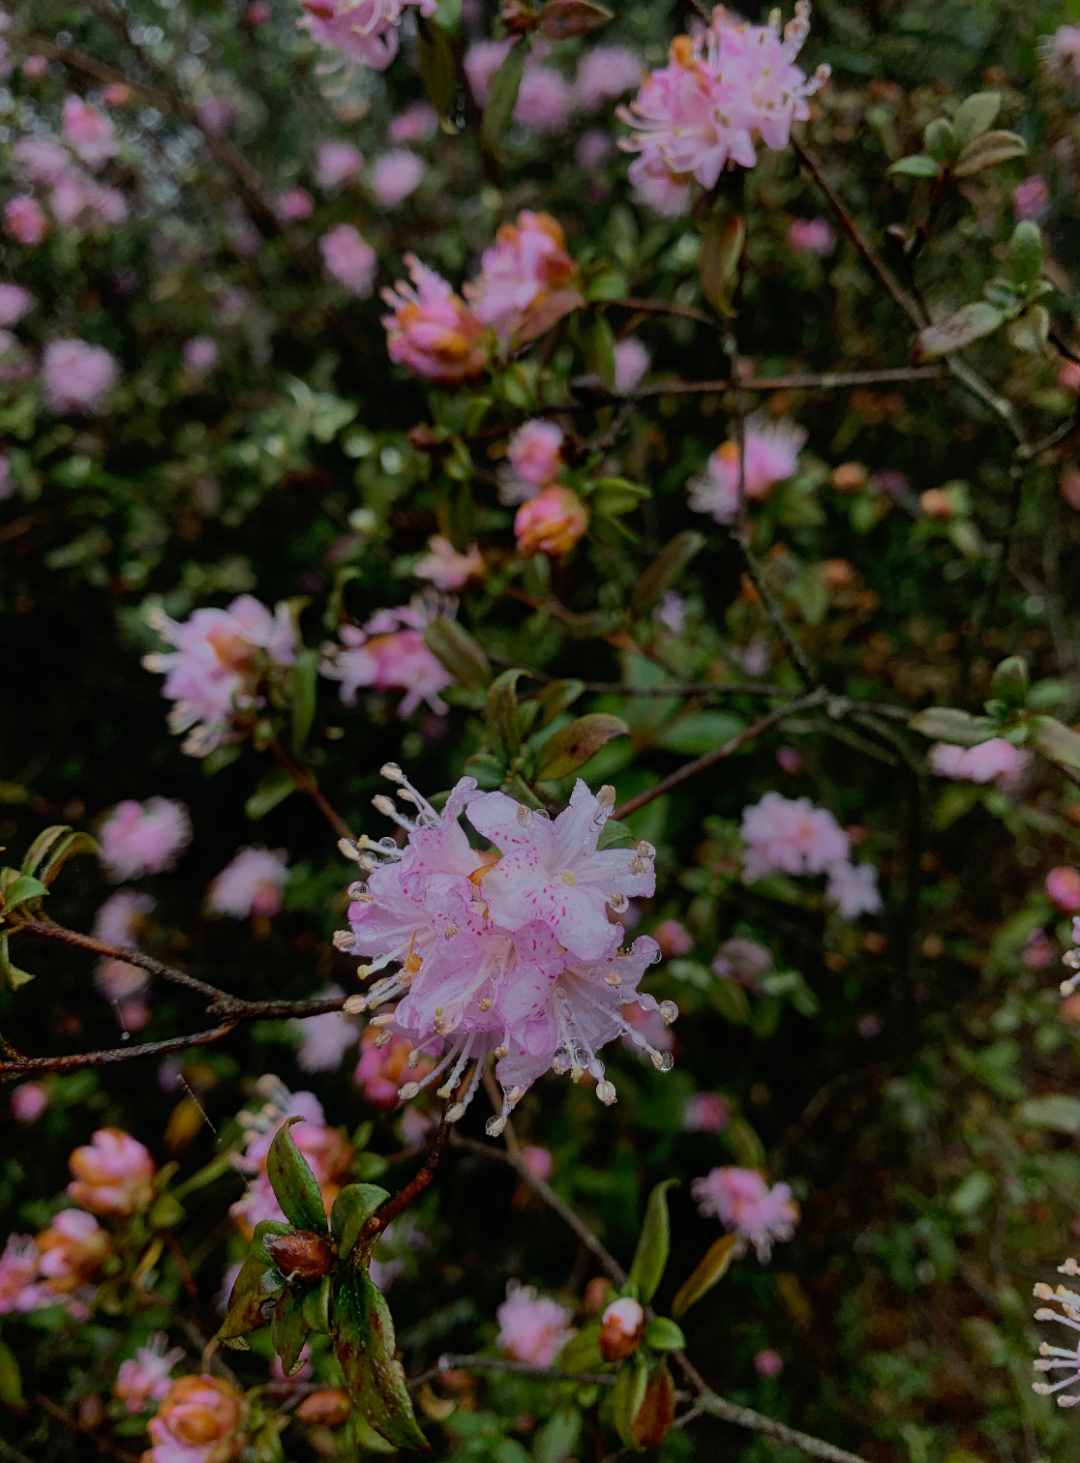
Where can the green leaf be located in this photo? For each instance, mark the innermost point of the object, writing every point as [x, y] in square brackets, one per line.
[1057, 742]
[699, 732]
[166, 1212]
[916, 165]
[1031, 332]
[599, 346]
[462, 655]
[722, 248]
[654, 1245]
[939, 140]
[502, 710]
[288, 1331]
[295, 1186]
[11, 975]
[438, 68]
[558, 1439]
[972, 1192]
[582, 1352]
[712, 1267]
[1025, 256]
[561, 20]
[11, 1392]
[257, 1283]
[363, 1333]
[572, 747]
[502, 98]
[988, 151]
[353, 1207]
[729, 998]
[272, 790]
[657, 1410]
[949, 724]
[316, 1303]
[556, 698]
[1010, 681]
[19, 890]
[663, 1335]
[975, 115]
[302, 692]
[52, 848]
[665, 569]
[1056, 1111]
[969, 324]
[627, 1396]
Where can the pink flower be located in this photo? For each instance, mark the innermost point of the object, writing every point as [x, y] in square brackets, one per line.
[199, 1421]
[113, 1174]
[389, 654]
[671, 612]
[431, 329]
[326, 1151]
[632, 361]
[532, 1328]
[28, 1101]
[768, 1363]
[117, 923]
[1063, 887]
[994, 761]
[349, 258]
[445, 568]
[70, 1251]
[294, 205]
[551, 523]
[482, 60]
[792, 836]
[35, 67]
[527, 280]
[812, 236]
[622, 1326]
[143, 838]
[386, 1062]
[364, 31]
[593, 152]
[325, 1039]
[42, 159]
[88, 132]
[1061, 53]
[538, 1161]
[742, 960]
[545, 99]
[706, 1112]
[216, 115]
[251, 885]
[218, 666]
[15, 302]
[144, 1377]
[18, 1273]
[510, 956]
[605, 73]
[79, 201]
[416, 123]
[77, 376]
[724, 90]
[336, 163]
[200, 354]
[743, 1201]
[673, 938]
[771, 455]
[853, 889]
[535, 460]
[1039, 952]
[1031, 198]
[395, 175]
[25, 221]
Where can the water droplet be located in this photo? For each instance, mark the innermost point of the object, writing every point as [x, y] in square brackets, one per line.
[663, 1061]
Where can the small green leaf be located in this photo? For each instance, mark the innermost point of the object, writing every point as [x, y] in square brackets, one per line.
[11, 975]
[940, 140]
[458, 652]
[502, 710]
[272, 790]
[295, 1186]
[917, 165]
[665, 569]
[722, 248]
[363, 1333]
[438, 69]
[353, 1207]
[1010, 681]
[558, 1439]
[663, 1335]
[166, 1212]
[651, 1255]
[52, 848]
[972, 1192]
[1025, 256]
[949, 724]
[288, 1331]
[1057, 1111]
[712, 1267]
[561, 20]
[19, 890]
[582, 1352]
[1031, 332]
[975, 115]
[627, 1396]
[656, 1413]
[988, 151]
[572, 747]
[11, 1391]
[556, 698]
[967, 325]
[1057, 742]
[316, 1304]
[502, 98]
[256, 1284]
[302, 693]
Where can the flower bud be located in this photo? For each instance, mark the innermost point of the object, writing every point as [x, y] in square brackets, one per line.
[551, 523]
[201, 1413]
[300, 1255]
[329, 1408]
[621, 1328]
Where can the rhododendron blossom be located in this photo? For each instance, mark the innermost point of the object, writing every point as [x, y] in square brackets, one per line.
[215, 671]
[326, 1151]
[200, 354]
[812, 236]
[743, 1201]
[199, 1421]
[527, 280]
[348, 258]
[336, 163]
[445, 568]
[29, 1100]
[71, 1251]
[706, 1112]
[15, 302]
[551, 523]
[113, 1174]
[1063, 887]
[417, 122]
[25, 221]
[723, 91]
[534, 457]
[605, 73]
[395, 175]
[325, 1039]
[117, 923]
[545, 99]
[532, 1328]
[142, 838]
[145, 1377]
[770, 455]
[1061, 53]
[88, 132]
[77, 376]
[993, 761]
[632, 361]
[622, 1326]
[18, 1272]
[853, 889]
[791, 836]
[514, 957]
[431, 329]
[364, 31]
[385, 1066]
[251, 885]
[388, 653]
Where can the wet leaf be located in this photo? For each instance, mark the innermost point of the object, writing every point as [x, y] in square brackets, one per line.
[353, 1207]
[294, 1184]
[657, 1410]
[719, 260]
[502, 710]
[561, 20]
[438, 69]
[917, 165]
[572, 747]
[628, 1394]
[363, 1333]
[288, 1331]
[302, 693]
[502, 98]
[975, 115]
[654, 1245]
[988, 151]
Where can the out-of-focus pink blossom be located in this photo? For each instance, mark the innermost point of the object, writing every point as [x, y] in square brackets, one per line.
[35, 67]
[42, 159]
[1061, 53]
[671, 612]
[1063, 887]
[25, 221]
[632, 361]
[216, 115]
[532, 1328]
[673, 938]
[294, 205]
[325, 1039]
[364, 31]
[538, 1161]
[80, 201]
[1039, 952]
[117, 923]
[200, 354]
[742, 960]
[143, 838]
[28, 1101]
[594, 151]
[71, 1251]
[251, 885]
[199, 1420]
[768, 1363]
[325, 1149]
[853, 889]
[395, 175]
[77, 376]
[551, 523]
[482, 60]
[18, 1273]
[385, 1065]
[812, 236]
[144, 1377]
[791, 836]
[117, 94]
[1031, 198]
[770, 455]
[993, 761]
[336, 163]
[113, 1173]
[545, 99]
[743, 1201]
[389, 654]
[416, 123]
[88, 132]
[445, 568]
[431, 329]
[706, 1112]
[605, 74]
[527, 280]
[348, 258]
[534, 455]
[15, 302]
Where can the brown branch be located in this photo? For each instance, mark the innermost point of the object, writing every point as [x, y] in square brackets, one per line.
[307, 783]
[17, 1067]
[47, 930]
[420, 1181]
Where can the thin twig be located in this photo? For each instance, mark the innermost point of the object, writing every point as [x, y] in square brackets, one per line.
[449, 1363]
[47, 930]
[307, 783]
[411, 1191]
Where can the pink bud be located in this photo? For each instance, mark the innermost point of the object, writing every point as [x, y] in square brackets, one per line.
[1063, 887]
[551, 523]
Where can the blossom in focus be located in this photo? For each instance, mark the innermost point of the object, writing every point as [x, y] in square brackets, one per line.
[395, 175]
[853, 889]
[1064, 1310]
[336, 163]
[632, 361]
[28, 1101]
[770, 456]
[532, 1328]
[388, 653]
[431, 329]
[995, 760]
[551, 523]
[117, 923]
[791, 836]
[217, 665]
[348, 258]
[15, 302]
[25, 221]
[706, 1112]
[18, 1273]
[527, 280]
[88, 132]
[606, 73]
[445, 568]
[71, 1251]
[768, 1363]
[723, 91]
[77, 376]
[250, 885]
[1063, 887]
[200, 354]
[144, 1377]
[534, 457]
[1031, 198]
[744, 1203]
[143, 838]
[812, 236]
[199, 1420]
[113, 1173]
[363, 31]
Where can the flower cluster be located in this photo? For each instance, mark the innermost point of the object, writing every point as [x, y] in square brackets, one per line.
[113, 1174]
[349, 259]
[508, 954]
[532, 1328]
[77, 376]
[723, 90]
[430, 329]
[145, 1377]
[363, 31]
[792, 836]
[743, 1201]
[993, 761]
[770, 456]
[388, 653]
[217, 670]
[1062, 1359]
